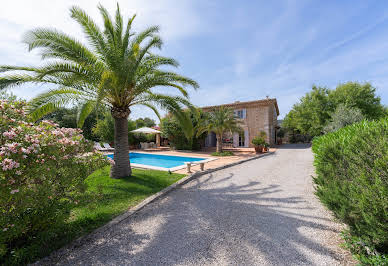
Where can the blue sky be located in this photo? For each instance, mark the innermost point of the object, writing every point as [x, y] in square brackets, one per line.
[236, 50]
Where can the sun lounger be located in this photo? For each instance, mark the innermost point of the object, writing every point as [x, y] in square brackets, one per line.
[98, 146]
[107, 146]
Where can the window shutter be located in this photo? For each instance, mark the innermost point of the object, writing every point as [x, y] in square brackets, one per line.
[244, 113]
[246, 136]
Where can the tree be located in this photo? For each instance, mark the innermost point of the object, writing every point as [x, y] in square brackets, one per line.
[311, 114]
[145, 122]
[104, 129]
[183, 128]
[342, 117]
[117, 69]
[314, 111]
[358, 95]
[219, 121]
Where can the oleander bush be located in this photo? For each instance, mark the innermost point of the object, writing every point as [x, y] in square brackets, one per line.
[42, 172]
[352, 181]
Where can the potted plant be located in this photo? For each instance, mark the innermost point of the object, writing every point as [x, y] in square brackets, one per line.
[266, 147]
[259, 142]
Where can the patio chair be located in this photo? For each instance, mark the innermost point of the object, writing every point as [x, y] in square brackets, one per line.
[107, 146]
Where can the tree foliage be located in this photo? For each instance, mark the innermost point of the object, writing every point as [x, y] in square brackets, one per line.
[316, 109]
[183, 129]
[361, 96]
[342, 117]
[145, 122]
[104, 130]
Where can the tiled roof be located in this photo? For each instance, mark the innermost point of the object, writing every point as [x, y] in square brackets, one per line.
[237, 104]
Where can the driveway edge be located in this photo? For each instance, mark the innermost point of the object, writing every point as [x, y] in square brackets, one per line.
[49, 260]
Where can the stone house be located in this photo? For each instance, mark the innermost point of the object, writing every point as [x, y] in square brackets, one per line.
[255, 116]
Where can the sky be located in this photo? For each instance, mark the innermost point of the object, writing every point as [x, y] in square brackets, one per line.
[236, 50]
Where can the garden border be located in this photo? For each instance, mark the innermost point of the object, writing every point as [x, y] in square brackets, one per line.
[55, 256]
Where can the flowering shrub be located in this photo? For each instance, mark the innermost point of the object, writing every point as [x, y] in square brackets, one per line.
[42, 169]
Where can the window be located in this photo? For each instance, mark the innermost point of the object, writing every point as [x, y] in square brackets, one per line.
[240, 113]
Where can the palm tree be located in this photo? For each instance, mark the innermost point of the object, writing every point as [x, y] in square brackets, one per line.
[117, 69]
[191, 121]
[219, 121]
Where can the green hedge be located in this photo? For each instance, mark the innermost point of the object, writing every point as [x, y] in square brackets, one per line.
[352, 181]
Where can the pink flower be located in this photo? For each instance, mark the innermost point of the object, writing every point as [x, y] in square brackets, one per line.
[14, 191]
[9, 164]
[9, 134]
[18, 172]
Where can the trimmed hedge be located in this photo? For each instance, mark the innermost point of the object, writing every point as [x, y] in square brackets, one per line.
[352, 180]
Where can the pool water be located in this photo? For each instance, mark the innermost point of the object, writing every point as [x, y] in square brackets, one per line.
[158, 160]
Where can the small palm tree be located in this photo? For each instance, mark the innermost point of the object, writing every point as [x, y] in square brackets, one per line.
[191, 121]
[117, 69]
[219, 121]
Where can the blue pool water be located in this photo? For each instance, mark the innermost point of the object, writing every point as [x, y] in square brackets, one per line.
[166, 161]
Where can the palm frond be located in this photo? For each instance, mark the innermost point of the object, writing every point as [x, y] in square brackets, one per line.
[91, 30]
[152, 107]
[50, 101]
[58, 45]
[84, 111]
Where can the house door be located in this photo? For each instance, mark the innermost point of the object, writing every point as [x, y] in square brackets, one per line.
[241, 140]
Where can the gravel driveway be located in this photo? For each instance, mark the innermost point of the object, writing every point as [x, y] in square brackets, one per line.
[262, 212]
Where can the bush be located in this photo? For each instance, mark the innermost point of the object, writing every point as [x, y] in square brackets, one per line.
[352, 181]
[42, 172]
[224, 153]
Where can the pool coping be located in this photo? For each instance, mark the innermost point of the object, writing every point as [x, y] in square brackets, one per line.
[171, 169]
[56, 255]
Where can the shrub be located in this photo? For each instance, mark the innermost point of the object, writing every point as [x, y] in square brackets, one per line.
[352, 180]
[224, 153]
[42, 172]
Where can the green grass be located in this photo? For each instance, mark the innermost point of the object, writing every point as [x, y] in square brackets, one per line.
[224, 153]
[104, 199]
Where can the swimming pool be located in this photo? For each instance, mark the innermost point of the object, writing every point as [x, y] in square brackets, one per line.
[161, 162]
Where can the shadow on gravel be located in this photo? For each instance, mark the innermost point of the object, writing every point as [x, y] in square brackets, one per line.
[212, 220]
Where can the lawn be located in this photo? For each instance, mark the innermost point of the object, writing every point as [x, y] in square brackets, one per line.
[104, 199]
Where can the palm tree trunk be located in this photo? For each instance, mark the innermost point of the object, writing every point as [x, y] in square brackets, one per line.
[122, 166]
[219, 143]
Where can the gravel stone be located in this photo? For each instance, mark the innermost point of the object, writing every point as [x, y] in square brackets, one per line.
[262, 212]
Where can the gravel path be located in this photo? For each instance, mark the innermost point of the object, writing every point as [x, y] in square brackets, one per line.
[262, 212]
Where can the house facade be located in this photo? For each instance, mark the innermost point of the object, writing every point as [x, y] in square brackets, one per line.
[255, 116]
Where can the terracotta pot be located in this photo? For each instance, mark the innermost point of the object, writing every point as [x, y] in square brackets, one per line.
[259, 148]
